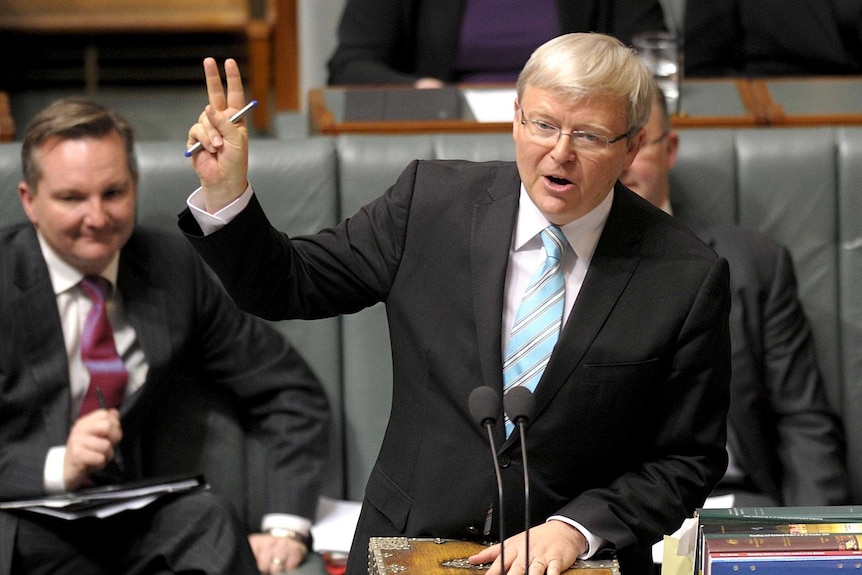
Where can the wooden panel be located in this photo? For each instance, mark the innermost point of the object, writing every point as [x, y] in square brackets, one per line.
[7, 124]
[286, 40]
[126, 15]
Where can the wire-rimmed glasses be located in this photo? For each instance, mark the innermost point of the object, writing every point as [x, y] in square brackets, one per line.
[547, 134]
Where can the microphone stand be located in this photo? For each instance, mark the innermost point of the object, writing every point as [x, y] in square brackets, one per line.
[485, 407]
[522, 425]
[521, 405]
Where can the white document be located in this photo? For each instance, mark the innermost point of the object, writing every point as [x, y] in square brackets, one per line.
[335, 525]
[491, 105]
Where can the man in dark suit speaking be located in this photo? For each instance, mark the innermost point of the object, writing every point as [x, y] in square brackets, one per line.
[100, 319]
[629, 427]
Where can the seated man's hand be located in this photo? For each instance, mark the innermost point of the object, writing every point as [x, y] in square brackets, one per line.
[276, 554]
[554, 547]
[90, 445]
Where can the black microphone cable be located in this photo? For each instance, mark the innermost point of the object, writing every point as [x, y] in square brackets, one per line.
[486, 407]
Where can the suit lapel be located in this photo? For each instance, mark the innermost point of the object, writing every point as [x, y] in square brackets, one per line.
[615, 260]
[146, 309]
[36, 320]
[493, 223]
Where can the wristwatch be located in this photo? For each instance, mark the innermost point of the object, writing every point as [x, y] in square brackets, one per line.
[304, 538]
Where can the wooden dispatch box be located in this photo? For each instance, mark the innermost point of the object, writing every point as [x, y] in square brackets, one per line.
[419, 556]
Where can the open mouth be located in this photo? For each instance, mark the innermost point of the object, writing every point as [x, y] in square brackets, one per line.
[559, 181]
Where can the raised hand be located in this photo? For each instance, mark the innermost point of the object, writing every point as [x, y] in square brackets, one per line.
[222, 164]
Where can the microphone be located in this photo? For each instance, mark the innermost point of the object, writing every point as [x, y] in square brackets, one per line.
[486, 407]
[521, 405]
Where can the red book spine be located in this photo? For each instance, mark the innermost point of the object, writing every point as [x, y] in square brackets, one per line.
[759, 543]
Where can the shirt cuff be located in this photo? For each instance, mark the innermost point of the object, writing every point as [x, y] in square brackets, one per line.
[285, 521]
[594, 542]
[210, 223]
[53, 474]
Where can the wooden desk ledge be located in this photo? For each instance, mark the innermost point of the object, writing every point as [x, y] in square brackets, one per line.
[170, 16]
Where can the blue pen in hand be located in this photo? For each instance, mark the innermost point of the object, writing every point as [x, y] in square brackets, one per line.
[118, 457]
[239, 115]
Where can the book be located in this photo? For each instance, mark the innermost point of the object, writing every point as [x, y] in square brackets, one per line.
[106, 500]
[778, 529]
[782, 542]
[803, 514]
[738, 521]
[800, 566]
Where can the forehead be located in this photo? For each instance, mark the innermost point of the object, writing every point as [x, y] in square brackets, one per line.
[87, 158]
[593, 109]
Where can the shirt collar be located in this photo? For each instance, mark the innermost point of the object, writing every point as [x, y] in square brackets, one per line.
[582, 234]
[63, 276]
[666, 207]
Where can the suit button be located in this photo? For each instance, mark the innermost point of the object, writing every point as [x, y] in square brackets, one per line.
[473, 529]
[505, 461]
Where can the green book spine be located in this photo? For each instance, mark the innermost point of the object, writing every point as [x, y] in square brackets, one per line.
[805, 514]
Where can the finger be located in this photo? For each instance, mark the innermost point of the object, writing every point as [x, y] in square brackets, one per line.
[215, 90]
[537, 567]
[235, 92]
[203, 132]
[554, 567]
[276, 565]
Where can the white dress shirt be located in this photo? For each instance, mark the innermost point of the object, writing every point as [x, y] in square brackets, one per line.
[74, 305]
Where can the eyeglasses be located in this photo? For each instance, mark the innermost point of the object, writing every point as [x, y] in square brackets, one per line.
[546, 134]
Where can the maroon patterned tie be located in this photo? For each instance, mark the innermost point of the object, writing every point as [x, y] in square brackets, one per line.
[108, 375]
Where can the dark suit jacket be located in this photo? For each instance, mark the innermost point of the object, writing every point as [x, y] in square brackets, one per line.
[785, 437]
[773, 37]
[190, 330]
[400, 41]
[629, 431]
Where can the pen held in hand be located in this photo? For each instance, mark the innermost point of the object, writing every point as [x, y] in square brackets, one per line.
[239, 115]
[118, 457]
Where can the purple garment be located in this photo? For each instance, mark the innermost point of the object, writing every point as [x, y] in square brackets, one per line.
[498, 36]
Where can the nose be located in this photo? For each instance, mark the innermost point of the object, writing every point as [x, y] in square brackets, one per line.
[563, 151]
[95, 215]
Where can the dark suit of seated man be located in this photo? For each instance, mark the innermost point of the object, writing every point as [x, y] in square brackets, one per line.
[785, 443]
[168, 323]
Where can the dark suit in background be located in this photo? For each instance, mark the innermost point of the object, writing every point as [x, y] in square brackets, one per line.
[189, 330]
[400, 41]
[786, 444]
[772, 37]
[783, 435]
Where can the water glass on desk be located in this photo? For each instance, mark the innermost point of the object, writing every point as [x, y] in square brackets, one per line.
[662, 54]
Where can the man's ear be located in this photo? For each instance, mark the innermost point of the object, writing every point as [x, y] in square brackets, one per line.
[672, 146]
[26, 196]
[633, 146]
[515, 119]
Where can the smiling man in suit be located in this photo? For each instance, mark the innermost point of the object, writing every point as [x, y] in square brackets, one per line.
[163, 323]
[629, 428]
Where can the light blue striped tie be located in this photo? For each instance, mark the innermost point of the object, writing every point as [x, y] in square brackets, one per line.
[538, 320]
